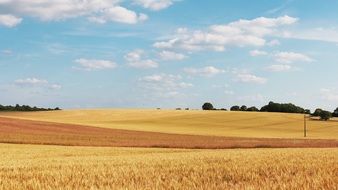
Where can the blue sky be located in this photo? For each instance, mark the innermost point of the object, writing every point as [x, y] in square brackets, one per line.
[168, 53]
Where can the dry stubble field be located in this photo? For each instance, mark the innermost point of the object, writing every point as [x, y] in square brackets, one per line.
[193, 122]
[38, 132]
[24, 166]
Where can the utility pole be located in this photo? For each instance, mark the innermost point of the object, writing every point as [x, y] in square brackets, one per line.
[304, 125]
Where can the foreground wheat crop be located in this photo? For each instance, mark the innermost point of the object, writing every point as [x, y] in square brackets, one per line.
[59, 167]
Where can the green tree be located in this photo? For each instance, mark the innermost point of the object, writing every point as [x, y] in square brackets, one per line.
[243, 108]
[284, 108]
[235, 108]
[325, 115]
[335, 113]
[253, 108]
[207, 106]
[317, 112]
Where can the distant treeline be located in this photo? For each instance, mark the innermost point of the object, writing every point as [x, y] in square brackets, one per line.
[278, 107]
[18, 107]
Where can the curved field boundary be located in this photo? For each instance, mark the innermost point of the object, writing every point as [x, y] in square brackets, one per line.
[37, 132]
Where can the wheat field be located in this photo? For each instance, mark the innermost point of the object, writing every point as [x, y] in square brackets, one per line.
[21, 131]
[194, 122]
[60, 167]
[86, 164]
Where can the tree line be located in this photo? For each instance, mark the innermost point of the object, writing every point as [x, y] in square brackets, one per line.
[279, 107]
[18, 107]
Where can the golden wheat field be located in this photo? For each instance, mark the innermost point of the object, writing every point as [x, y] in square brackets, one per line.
[86, 164]
[59, 167]
[214, 123]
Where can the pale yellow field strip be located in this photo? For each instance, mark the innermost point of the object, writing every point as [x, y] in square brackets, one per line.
[219, 123]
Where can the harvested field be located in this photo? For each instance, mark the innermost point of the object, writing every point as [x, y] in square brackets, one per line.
[192, 122]
[59, 167]
[38, 132]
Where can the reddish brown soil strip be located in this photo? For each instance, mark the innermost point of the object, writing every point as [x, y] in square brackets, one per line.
[36, 132]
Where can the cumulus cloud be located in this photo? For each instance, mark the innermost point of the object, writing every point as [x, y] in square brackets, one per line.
[205, 71]
[278, 68]
[273, 43]
[119, 14]
[164, 85]
[10, 21]
[136, 59]
[94, 64]
[291, 57]
[240, 33]
[314, 34]
[35, 82]
[246, 77]
[30, 82]
[54, 10]
[255, 53]
[154, 5]
[55, 86]
[171, 56]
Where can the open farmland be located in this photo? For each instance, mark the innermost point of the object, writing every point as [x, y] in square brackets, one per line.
[38, 132]
[58, 167]
[210, 123]
[156, 149]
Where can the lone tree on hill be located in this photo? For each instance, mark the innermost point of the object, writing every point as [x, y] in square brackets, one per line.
[207, 106]
[325, 115]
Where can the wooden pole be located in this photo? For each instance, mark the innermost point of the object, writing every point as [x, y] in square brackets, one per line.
[304, 125]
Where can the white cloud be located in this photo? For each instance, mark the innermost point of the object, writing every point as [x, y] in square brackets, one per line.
[163, 85]
[249, 78]
[54, 10]
[30, 82]
[252, 98]
[329, 94]
[55, 86]
[205, 71]
[119, 14]
[155, 5]
[7, 52]
[35, 82]
[171, 56]
[136, 59]
[94, 64]
[315, 34]
[255, 53]
[229, 92]
[240, 33]
[10, 21]
[279, 68]
[273, 43]
[291, 57]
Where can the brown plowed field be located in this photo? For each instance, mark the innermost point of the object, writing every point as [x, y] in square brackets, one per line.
[38, 132]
